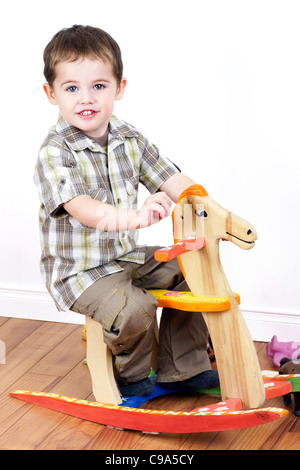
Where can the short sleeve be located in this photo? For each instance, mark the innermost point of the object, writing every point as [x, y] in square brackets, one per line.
[154, 168]
[57, 179]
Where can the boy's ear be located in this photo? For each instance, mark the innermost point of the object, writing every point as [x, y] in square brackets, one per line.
[50, 93]
[121, 88]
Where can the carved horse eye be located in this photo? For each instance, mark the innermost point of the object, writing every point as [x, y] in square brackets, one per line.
[201, 213]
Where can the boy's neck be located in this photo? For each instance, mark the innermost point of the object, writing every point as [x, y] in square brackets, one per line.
[102, 140]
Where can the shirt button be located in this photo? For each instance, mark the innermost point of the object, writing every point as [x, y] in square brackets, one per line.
[129, 188]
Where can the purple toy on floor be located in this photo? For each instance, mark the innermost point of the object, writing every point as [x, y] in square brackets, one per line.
[278, 350]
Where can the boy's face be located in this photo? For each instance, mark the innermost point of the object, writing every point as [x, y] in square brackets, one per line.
[85, 91]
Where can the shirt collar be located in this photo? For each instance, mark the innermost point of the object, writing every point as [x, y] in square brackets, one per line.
[77, 140]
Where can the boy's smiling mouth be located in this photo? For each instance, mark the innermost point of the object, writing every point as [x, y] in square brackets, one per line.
[86, 113]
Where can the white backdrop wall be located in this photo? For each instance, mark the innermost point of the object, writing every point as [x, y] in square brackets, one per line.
[215, 84]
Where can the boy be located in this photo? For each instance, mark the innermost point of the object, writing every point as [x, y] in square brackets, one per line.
[87, 174]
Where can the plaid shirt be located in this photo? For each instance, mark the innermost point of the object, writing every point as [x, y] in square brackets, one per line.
[74, 255]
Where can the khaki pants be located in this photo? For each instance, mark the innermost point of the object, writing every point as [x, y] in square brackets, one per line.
[127, 313]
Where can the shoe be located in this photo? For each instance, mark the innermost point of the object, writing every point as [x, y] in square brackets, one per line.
[206, 380]
[133, 389]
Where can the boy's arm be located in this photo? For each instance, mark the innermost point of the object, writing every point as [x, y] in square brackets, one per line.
[106, 217]
[175, 185]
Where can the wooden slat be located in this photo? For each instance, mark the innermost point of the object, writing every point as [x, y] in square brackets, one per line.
[71, 434]
[30, 351]
[15, 330]
[11, 411]
[63, 357]
[108, 438]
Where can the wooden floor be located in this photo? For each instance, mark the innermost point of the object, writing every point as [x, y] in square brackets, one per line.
[45, 356]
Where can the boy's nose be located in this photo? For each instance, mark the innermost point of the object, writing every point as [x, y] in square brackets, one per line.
[85, 98]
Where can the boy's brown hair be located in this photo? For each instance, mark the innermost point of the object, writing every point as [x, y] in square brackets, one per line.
[70, 44]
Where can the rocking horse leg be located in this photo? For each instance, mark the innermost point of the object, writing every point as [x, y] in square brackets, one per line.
[239, 370]
[100, 364]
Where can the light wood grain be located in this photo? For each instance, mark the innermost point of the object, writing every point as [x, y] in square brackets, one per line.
[100, 364]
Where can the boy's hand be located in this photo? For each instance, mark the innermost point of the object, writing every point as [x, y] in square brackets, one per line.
[155, 208]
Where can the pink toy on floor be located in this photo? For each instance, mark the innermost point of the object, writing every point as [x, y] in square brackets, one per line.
[277, 350]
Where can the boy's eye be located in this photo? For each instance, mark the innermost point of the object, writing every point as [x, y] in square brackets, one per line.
[72, 88]
[98, 86]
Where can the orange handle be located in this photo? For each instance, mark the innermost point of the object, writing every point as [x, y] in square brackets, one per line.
[171, 252]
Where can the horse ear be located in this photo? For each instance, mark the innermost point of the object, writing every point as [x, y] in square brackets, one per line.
[194, 190]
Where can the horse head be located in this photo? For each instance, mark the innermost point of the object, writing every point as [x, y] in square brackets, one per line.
[197, 214]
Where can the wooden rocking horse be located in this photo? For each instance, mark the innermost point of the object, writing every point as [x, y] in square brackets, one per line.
[197, 213]
[199, 223]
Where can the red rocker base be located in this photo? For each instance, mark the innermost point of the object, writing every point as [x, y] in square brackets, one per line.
[217, 417]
